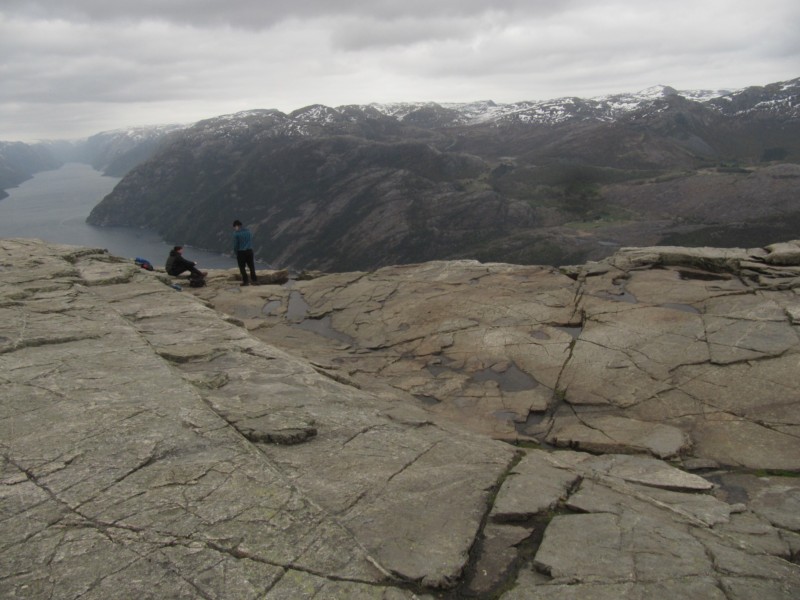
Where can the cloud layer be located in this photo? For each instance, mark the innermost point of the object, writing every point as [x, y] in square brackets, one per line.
[71, 68]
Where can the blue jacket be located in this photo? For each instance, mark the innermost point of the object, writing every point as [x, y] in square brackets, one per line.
[242, 240]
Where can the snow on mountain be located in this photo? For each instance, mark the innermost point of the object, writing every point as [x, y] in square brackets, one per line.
[603, 108]
[782, 97]
[140, 134]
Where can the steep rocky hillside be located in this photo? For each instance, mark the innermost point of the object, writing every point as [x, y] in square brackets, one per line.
[117, 152]
[112, 152]
[19, 162]
[555, 182]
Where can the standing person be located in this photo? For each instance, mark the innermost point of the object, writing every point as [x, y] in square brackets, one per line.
[176, 265]
[243, 248]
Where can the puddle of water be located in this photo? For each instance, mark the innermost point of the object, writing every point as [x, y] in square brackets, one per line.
[427, 400]
[297, 309]
[531, 424]
[505, 415]
[539, 335]
[731, 492]
[323, 327]
[271, 306]
[703, 276]
[511, 380]
[575, 332]
[297, 316]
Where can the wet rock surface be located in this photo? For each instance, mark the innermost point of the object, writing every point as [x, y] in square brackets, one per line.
[623, 429]
[680, 353]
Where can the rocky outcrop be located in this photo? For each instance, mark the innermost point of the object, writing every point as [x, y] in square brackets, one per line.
[617, 429]
[680, 353]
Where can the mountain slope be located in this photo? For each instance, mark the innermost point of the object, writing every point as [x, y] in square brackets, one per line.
[19, 162]
[117, 152]
[358, 187]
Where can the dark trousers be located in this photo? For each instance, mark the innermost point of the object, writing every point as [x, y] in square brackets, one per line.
[245, 259]
[193, 272]
[180, 265]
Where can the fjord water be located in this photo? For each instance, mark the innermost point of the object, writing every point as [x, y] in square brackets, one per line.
[53, 206]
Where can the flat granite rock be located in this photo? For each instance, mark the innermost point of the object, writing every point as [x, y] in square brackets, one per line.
[382, 435]
[533, 486]
[628, 355]
[646, 471]
[606, 433]
[117, 474]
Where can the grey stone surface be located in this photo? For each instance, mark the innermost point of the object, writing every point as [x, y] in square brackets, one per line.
[646, 471]
[119, 479]
[533, 486]
[675, 352]
[499, 553]
[608, 433]
[691, 588]
[775, 499]
[344, 436]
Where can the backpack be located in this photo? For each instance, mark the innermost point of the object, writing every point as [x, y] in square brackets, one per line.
[144, 263]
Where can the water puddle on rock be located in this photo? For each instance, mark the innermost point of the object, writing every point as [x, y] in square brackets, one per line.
[531, 423]
[512, 379]
[729, 489]
[688, 275]
[575, 332]
[324, 328]
[271, 306]
[297, 316]
[297, 309]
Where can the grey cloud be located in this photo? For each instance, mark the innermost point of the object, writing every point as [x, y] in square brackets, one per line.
[139, 62]
[356, 35]
[254, 14]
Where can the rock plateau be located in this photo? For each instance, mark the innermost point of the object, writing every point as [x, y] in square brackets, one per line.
[627, 428]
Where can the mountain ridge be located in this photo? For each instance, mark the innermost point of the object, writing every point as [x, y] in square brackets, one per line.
[116, 151]
[554, 181]
[363, 186]
[552, 110]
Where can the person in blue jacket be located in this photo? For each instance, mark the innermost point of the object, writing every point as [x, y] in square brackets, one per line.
[243, 248]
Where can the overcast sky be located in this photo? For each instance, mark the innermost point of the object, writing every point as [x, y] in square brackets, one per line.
[72, 68]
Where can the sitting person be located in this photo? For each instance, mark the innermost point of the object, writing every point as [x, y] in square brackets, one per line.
[176, 265]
